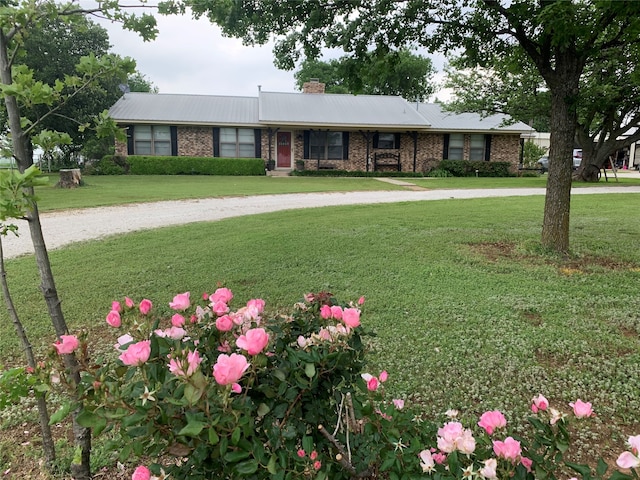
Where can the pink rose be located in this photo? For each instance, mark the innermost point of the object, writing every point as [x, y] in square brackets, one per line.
[257, 303]
[539, 403]
[137, 353]
[113, 319]
[181, 301]
[628, 460]
[174, 333]
[509, 449]
[128, 302]
[489, 470]
[383, 376]
[219, 308]
[145, 306]
[67, 344]
[582, 409]
[223, 295]
[254, 341]
[336, 312]
[236, 388]
[122, 341]
[492, 420]
[373, 384]
[427, 463]
[141, 473]
[466, 443]
[439, 458]
[317, 465]
[224, 323]
[325, 312]
[351, 317]
[301, 453]
[527, 463]
[116, 306]
[177, 320]
[398, 403]
[224, 347]
[313, 455]
[361, 301]
[229, 368]
[177, 365]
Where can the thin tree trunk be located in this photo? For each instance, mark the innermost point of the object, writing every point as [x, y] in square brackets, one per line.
[80, 467]
[48, 446]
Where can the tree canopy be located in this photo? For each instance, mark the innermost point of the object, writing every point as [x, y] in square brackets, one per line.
[561, 38]
[400, 73]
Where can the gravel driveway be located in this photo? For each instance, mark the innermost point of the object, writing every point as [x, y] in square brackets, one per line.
[64, 227]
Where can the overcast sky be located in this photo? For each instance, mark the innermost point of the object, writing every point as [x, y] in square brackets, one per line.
[192, 57]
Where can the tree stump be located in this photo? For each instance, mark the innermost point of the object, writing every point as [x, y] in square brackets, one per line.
[70, 178]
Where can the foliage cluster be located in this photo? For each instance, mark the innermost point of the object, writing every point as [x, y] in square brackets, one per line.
[468, 168]
[152, 165]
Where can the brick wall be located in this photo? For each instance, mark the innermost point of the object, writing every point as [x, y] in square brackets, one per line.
[195, 141]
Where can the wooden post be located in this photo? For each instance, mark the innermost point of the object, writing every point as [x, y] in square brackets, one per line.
[70, 178]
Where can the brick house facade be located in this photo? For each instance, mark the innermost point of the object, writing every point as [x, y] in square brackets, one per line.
[345, 132]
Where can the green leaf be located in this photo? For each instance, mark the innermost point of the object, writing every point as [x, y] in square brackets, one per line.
[271, 466]
[192, 428]
[583, 470]
[247, 468]
[263, 409]
[235, 436]
[60, 414]
[310, 370]
[213, 436]
[602, 467]
[236, 456]
[89, 419]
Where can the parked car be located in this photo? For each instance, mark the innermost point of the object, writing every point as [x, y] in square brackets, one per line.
[543, 163]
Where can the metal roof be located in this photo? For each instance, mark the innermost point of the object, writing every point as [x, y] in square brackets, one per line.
[331, 110]
[310, 110]
[185, 109]
[468, 122]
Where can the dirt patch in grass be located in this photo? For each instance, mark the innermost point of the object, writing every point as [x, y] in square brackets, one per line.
[570, 265]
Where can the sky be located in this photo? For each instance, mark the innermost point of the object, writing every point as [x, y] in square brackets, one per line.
[192, 57]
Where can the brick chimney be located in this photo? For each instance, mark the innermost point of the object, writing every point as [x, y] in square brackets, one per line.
[313, 86]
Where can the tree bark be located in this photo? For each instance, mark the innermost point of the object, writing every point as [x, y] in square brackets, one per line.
[24, 157]
[564, 88]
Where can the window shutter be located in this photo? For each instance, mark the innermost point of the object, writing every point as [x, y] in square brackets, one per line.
[216, 141]
[487, 148]
[306, 144]
[174, 141]
[397, 141]
[345, 145]
[376, 138]
[130, 147]
[258, 142]
[445, 152]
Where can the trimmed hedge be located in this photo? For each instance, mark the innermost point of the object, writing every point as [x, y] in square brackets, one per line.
[148, 165]
[467, 168]
[346, 173]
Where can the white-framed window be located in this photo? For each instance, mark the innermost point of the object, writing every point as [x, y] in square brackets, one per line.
[152, 140]
[456, 146]
[476, 147]
[325, 145]
[237, 143]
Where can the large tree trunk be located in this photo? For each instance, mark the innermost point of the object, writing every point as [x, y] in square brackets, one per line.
[555, 227]
[24, 157]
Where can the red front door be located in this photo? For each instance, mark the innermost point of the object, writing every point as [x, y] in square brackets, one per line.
[283, 154]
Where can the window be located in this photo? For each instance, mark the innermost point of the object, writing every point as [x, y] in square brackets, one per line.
[476, 147]
[152, 140]
[386, 140]
[456, 146]
[325, 145]
[237, 143]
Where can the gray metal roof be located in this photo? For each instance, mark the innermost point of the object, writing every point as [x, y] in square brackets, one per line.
[333, 110]
[185, 109]
[467, 122]
[326, 110]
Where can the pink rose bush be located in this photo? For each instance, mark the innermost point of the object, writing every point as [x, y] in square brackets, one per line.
[235, 392]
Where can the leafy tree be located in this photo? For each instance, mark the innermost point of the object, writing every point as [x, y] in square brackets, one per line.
[53, 60]
[23, 94]
[561, 38]
[608, 104]
[395, 73]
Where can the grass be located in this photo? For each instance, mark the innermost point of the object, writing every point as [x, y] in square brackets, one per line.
[116, 190]
[469, 312]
